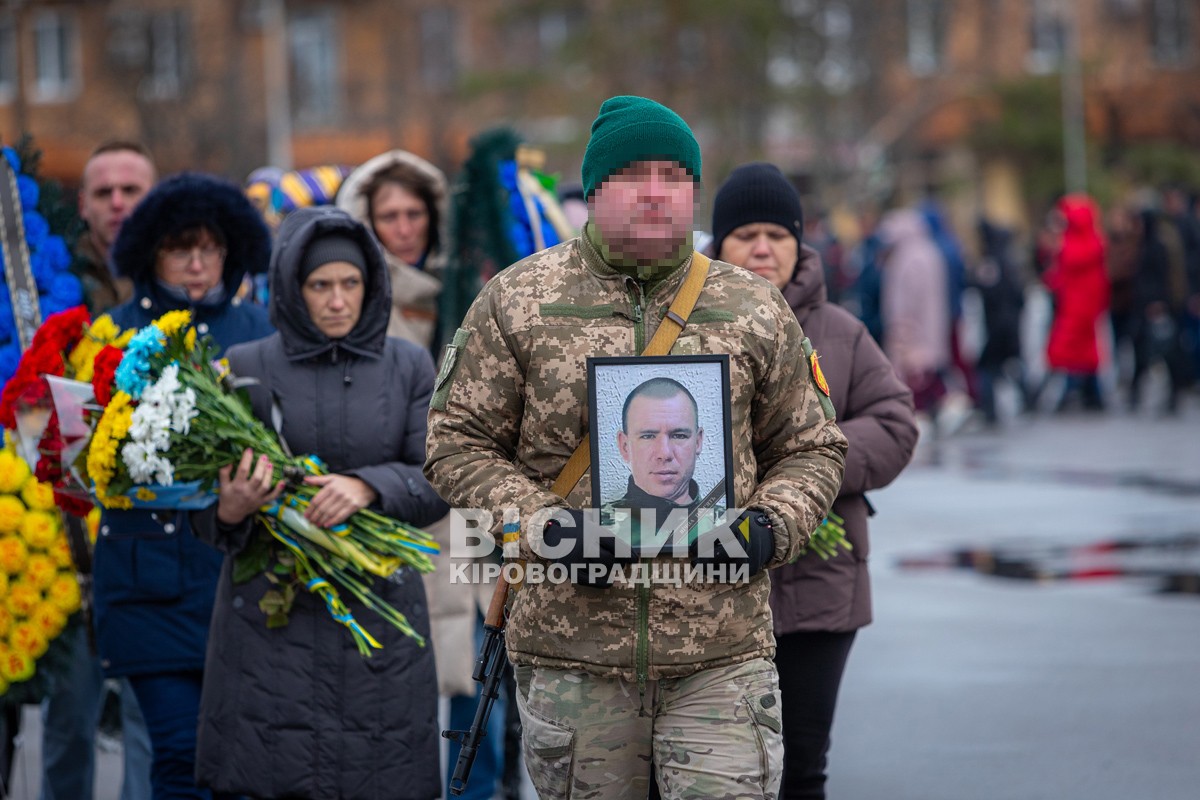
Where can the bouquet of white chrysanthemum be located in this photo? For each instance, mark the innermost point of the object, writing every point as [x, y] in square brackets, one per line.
[166, 407]
[170, 426]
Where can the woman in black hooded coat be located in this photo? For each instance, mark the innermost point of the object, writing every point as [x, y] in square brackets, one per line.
[296, 711]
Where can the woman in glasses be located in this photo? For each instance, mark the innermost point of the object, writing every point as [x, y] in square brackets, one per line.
[188, 245]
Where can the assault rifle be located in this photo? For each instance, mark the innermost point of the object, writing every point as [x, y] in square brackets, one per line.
[489, 670]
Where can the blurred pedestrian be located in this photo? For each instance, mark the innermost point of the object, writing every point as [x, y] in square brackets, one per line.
[573, 204]
[820, 236]
[295, 711]
[865, 260]
[1078, 281]
[816, 605]
[1157, 310]
[401, 198]
[1003, 294]
[942, 233]
[916, 315]
[1124, 240]
[1184, 214]
[116, 177]
[187, 245]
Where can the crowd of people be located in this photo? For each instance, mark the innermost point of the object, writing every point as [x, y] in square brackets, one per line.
[617, 689]
[1119, 293]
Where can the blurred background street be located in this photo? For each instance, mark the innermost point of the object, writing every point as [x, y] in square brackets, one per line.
[1075, 680]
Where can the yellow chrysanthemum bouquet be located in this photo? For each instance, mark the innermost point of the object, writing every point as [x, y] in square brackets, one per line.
[39, 590]
[171, 421]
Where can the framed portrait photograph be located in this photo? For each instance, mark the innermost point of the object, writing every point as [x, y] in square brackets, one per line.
[662, 447]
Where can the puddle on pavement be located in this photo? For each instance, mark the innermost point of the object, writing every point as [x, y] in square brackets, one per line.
[982, 464]
[1170, 561]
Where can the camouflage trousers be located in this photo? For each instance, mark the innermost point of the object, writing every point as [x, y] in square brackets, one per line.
[715, 733]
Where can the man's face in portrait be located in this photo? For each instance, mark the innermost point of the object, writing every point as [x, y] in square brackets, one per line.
[660, 444]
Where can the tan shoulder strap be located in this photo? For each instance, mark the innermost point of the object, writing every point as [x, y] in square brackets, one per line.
[660, 345]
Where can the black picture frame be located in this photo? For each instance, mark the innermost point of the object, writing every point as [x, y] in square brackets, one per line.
[611, 380]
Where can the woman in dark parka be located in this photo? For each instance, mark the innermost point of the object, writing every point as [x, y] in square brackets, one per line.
[296, 711]
[187, 245]
[817, 606]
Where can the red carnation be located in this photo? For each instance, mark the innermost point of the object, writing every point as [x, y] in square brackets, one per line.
[105, 372]
[47, 355]
[72, 505]
[60, 332]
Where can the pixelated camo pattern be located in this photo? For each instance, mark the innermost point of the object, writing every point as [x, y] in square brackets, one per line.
[511, 406]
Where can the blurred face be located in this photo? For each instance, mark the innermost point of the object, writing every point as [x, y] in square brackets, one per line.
[401, 222]
[334, 293]
[113, 184]
[766, 249]
[197, 269]
[645, 210]
[661, 444]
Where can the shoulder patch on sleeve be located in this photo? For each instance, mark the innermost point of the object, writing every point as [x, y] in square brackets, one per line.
[818, 379]
[445, 376]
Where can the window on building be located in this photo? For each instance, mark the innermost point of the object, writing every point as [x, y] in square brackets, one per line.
[55, 54]
[926, 34]
[553, 30]
[8, 58]
[166, 63]
[536, 40]
[313, 53]
[1171, 35]
[1047, 42]
[690, 41]
[439, 49]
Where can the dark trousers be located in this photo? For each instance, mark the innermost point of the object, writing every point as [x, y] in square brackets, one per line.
[810, 665]
[171, 705]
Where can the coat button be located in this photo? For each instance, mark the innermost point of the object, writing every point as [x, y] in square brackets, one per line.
[105, 663]
[145, 302]
[104, 530]
[202, 328]
[238, 602]
[169, 527]
[235, 302]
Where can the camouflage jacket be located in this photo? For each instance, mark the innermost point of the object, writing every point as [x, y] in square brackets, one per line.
[511, 404]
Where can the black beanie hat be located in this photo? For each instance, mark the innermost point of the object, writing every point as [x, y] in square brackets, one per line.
[334, 246]
[753, 193]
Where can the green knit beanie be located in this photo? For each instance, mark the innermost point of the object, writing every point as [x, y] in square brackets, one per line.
[630, 129]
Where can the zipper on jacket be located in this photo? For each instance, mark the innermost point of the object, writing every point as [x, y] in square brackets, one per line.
[643, 642]
[642, 649]
[639, 325]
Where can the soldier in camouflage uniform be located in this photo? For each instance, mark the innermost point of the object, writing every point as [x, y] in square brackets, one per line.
[616, 675]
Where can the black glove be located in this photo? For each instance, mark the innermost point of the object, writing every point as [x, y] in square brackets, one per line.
[752, 530]
[579, 565]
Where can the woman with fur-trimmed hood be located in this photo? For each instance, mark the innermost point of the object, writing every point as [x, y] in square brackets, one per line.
[402, 199]
[187, 245]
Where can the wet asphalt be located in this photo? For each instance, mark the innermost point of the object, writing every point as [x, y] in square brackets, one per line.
[1037, 619]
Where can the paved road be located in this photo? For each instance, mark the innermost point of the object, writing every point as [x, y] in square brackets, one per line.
[974, 687]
